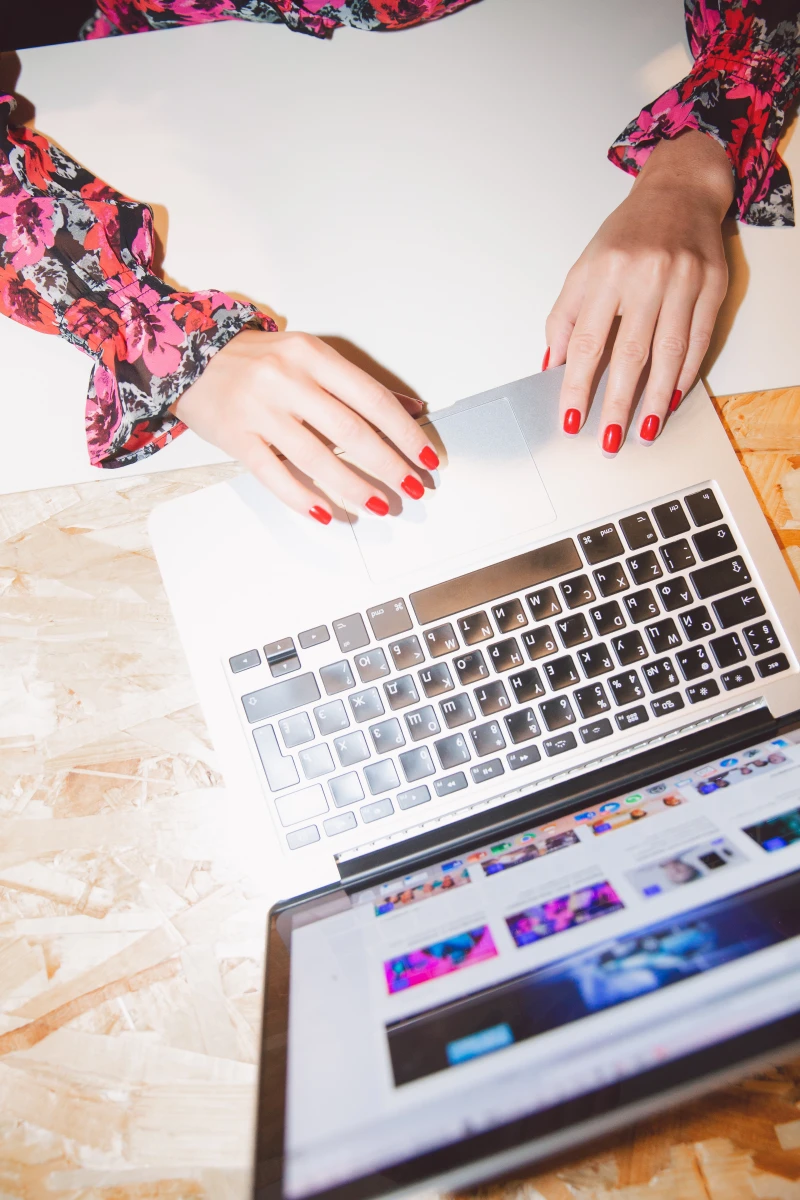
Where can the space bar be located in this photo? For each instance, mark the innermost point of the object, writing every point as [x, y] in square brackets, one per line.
[490, 583]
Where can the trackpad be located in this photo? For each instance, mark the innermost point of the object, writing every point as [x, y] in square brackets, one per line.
[488, 493]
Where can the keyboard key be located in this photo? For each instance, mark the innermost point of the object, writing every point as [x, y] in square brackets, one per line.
[704, 507]
[558, 745]
[475, 628]
[244, 662]
[667, 704]
[296, 730]
[284, 666]
[693, 662]
[557, 713]
[634, 716]
[450, 783]
[486, 770]
[376, 811]
[625, 688]
[371, 665]
[487, 739]
[380, 777]
[510, 615]
[437, 679]
[351, 749]
[492, 697]
[670, 518]
[573, 630]
[347, 789]
[539, 642]
[591, 700]
[505, 655]
[736, 679]
[316, 761]
[416, 765]
[644, 568]
[676, 593]
[401, 692]
[422, 723]
[302, 837]
[561, 672]
[543, 604]
[274, 651]
[743, 606]
[697, 623]
[366, 705]
[522, 725]
[339, 824]
[406, 653]
[611, 579]
[660, 675]
[351, 632]
[517, 759]
[389, 619]
[440, 640]
[452, 751]
[302, 805]
[638, 531]
[470, 667]
[772, 665]
[314, 637]
[337, 677]
[595, 660]
[641, 606]
[332, 717]
[677, 556]
[607, 618]
[702, 691]
[629, 647]
[600, 544]
[761, 637]
[719, 577]
[663, 636]
[413, 797]
[527, 685]
[457, 710]
[280, 697]
[577, 591]
[595, 731]
[727, 650]
[278, 767]
[387, 735]
[714, 543]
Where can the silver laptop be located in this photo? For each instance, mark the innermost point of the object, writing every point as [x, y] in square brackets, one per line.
[519, 759]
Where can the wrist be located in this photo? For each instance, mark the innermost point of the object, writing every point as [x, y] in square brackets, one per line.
[693, 164]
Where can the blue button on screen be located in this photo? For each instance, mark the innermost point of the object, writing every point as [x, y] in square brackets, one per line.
[477, 1044]
[776, 843]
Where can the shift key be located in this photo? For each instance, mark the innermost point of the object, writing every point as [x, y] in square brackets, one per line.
[280, 697]
[719, 577]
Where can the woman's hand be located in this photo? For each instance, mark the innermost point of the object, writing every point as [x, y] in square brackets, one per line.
[658, 262]
[265, 393]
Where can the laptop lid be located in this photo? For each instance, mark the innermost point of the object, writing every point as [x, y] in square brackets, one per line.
[498, 1002]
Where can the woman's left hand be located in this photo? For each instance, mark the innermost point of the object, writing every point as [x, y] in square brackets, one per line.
[657, 262]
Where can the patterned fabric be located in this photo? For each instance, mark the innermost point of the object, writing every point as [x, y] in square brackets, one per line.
[745, 77]
[76, 257]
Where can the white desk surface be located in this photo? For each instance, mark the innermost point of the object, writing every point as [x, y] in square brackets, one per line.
[420, 195]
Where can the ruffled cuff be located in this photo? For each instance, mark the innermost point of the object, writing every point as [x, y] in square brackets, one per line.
[739, 97]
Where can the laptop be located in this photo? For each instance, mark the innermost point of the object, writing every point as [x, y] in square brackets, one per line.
[521, 764]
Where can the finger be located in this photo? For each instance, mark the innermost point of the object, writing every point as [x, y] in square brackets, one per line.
[563, 315]
[670, 346]
[264, 464]
[704, 317]
[412, 406]
[628, 359]
[585, 350]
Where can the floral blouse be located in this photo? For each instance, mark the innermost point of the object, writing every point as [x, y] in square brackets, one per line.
[76, 256]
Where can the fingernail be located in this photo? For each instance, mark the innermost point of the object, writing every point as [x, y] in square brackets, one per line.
[572, 420]
[429, 458]
[546, 359]
[377, 506]
[412, 487]
[612, 439]
[649, 428]
[319, 514]
[676, 400]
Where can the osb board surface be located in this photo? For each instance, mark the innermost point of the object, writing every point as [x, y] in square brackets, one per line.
[131, 937]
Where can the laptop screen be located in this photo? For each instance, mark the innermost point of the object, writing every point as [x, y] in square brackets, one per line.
[523, 973]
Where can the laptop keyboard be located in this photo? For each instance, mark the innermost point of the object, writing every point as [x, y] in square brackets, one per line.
[530, 659]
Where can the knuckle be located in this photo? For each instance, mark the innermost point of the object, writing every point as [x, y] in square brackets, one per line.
[345, 425]
[586, 346]
[700, 340]
[631, 351]
[301, 343]
[671, 345]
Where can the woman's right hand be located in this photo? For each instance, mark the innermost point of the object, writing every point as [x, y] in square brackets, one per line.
[265, 394]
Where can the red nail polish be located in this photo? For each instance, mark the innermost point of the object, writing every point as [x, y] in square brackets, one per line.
[546, 359]
[429, 458]
[377, 506]
[676, 400]
[649, 428]
[319, 514]
[412, 487]
[612, 438]
[572, 420]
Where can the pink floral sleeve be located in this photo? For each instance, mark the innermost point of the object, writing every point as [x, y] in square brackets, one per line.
[745, 78]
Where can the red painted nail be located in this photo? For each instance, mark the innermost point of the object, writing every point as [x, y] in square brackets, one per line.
[676, 400]
[377, 506]
[429, 458]
[649, 428]
[319, 514]
[612, 438]
[572, 420]
[546, 359]
[412, 487]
